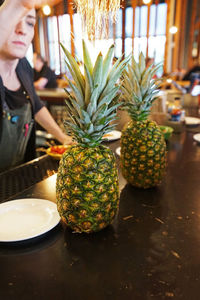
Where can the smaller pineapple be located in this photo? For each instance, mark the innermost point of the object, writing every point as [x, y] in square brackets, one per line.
[143, 148]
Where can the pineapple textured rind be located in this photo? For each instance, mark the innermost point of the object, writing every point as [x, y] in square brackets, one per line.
[143, 154]
[87, 188]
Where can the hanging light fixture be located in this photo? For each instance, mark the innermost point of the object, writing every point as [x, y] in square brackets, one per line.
[95, 14]
[173, 29]
[146, 1]
[46, 10]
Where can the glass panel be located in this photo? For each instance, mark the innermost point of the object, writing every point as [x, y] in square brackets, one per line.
[65, 31]
[152, 19]
[118, 47]
[102, 45]
[160, 48]
[140, 44]
[41, 37]
[143, 45]
[110, 33]
[136, 48]
[78, 49]
[77, 35]
[161, 21]
[137, 21]
[53, 44]
[143, 20]
[119, 24]
[129, 22]
[52, 29]
[65, 37]
[128, 46]
[157, 50]
[152, 46]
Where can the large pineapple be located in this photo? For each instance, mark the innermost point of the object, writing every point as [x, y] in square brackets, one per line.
[143, 148]
[87, 182]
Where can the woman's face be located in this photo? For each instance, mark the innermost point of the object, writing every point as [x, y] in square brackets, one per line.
[20, 39]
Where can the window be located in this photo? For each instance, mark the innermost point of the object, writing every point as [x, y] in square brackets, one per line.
[157, 33]
[78, 36]
[118, 40]
[128, 30]
[53, 44]
[156, 41]
[65, 38]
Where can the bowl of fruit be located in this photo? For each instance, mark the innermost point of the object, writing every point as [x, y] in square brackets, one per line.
[167, 131]
[57, 151]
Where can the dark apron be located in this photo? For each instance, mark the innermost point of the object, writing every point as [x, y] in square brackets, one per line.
[16, 128]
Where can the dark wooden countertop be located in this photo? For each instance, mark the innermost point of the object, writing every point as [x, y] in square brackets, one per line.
[53, 96]
[150, 252]
[52, 93]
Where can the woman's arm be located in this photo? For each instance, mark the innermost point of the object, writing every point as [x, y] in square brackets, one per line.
[44, 118]
[40, 83]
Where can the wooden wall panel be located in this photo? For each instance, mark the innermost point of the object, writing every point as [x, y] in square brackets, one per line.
[123, 26]
[166, 66]
[46, 44]
[148, 23]
[70, 11]
[36, 40]
[59, 43]
[182, 33]
[176, 49]
[134, 4]
[192, 28]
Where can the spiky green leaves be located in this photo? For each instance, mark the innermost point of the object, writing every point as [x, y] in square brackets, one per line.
[139, 88]
[92, 101]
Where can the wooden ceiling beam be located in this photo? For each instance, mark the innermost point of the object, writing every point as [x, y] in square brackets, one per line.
[134, 4]
[52, 2]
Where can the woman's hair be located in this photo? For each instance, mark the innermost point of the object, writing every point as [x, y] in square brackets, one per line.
[1, 2]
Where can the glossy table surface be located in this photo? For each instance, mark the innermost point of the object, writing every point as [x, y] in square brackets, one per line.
[152, 250]
[54, 93]
[53, 96]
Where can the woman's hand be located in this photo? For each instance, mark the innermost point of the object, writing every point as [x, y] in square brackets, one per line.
[68, 140]
[44, 118]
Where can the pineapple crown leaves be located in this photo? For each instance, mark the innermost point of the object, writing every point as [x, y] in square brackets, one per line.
[93, 97]
[139, 89]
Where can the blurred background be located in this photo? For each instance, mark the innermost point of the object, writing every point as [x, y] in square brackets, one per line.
[167, 31]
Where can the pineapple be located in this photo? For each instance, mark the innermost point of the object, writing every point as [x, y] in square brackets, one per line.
[143, 148]
[87, 189]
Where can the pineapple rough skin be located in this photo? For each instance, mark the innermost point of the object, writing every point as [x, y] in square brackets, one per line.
[143, 154]
[87, 188]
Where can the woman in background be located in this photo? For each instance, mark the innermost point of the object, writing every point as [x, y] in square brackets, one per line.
[44, 77]
[20, 107]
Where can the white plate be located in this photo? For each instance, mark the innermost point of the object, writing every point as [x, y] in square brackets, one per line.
[192, 121]
[44, 134]
[112, 135]
[196, 137]
[26, 218]
[118, 151]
